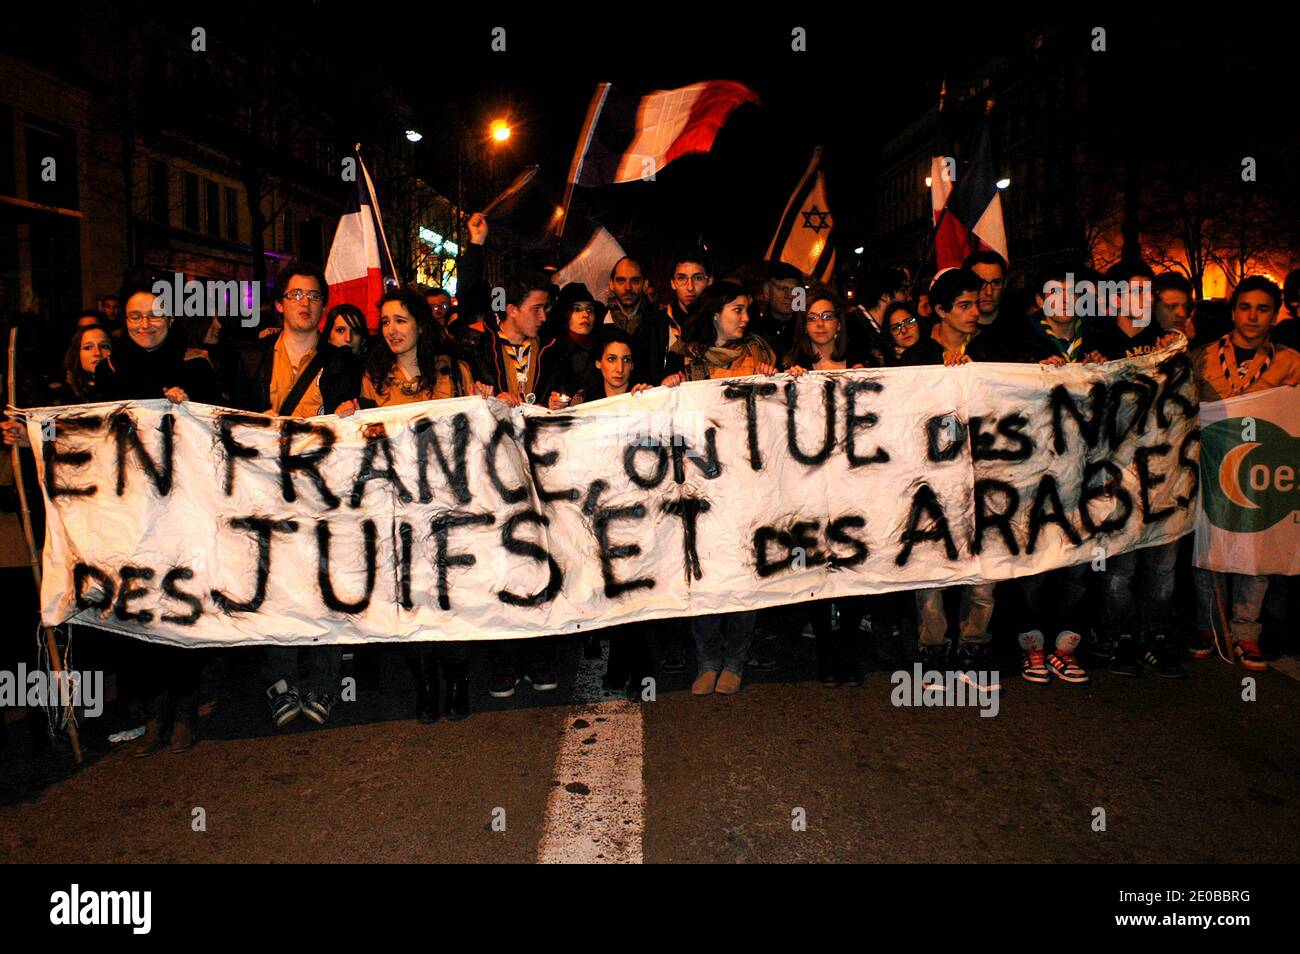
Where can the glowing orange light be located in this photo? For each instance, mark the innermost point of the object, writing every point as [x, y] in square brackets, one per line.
[499, 130]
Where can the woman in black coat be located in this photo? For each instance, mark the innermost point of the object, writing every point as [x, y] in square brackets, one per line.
[150, 362]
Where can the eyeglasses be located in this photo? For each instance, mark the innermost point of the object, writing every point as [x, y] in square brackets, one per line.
[896, 327]
[697, 279]
[144, 318]
[823, 316]
[298, 295]
[996, 284]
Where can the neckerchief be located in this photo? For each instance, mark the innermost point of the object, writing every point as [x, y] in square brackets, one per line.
[1068, 350]
[1227, 354]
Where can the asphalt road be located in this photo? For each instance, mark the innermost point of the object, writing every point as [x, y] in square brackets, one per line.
[1185, 771]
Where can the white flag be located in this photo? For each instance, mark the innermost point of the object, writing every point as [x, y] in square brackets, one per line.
[593, 264]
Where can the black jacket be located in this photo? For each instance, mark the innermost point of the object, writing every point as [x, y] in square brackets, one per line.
[651, 359]
[983, 347]
[134, 374]
[554, 369]
[340, 376]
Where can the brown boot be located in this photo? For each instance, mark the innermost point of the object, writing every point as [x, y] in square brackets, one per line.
[704, 683]
[728, 683]
[183, 737]
[151, 742]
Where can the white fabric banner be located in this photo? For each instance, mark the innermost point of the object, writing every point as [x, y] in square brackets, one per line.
[464, 519]
[1250, 473]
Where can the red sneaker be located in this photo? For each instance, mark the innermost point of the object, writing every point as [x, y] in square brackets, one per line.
[1250, 657]
[1202, 644]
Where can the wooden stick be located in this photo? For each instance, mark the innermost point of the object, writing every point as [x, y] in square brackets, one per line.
[56, 663]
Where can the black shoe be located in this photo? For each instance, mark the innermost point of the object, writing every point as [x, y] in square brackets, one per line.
[285, 703]
[847, 672]
[183, 737]
[458, 689]
[542, 679]
[762, 663]
[426, 701]
[1102, 648]
[935, 663]
[973, 657]
[1124, 659]
[674, 658]
[889, 647]
[424, 669]
[936, 658]
[151, 743]
[1164, 658]
[317, 706]
[825, 665]
[503, 685]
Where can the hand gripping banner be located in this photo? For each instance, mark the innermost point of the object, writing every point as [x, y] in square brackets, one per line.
[464, 519]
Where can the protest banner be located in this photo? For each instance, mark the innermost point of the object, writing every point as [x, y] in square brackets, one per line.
[465, 519]
[1249, 468]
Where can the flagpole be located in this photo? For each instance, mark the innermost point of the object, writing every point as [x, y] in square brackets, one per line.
[790, 203]
[580, 154]
[51, 644]
[374, 205]
[932, 237]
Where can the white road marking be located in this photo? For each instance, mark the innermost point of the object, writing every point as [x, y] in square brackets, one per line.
[596, 812]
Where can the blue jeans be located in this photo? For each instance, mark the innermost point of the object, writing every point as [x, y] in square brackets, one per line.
[1123, 613]
[722, 641]
[1245, 595]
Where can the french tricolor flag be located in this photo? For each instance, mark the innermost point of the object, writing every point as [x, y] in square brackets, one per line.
[359, 258]
[968, 213]
[627, 137]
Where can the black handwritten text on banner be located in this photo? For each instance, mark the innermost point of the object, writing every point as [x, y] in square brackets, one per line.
[464, 519]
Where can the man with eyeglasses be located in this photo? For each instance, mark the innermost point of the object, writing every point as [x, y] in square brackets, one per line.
[991, 269]
[654, 339]
[282, 375]
[440, 304]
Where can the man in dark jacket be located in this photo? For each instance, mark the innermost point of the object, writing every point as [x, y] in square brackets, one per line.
[955, 340]
[270, 368]
[282, 374]
[655, 337]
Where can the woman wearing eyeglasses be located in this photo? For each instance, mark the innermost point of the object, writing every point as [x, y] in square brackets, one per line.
[904, 326]
[820, 341]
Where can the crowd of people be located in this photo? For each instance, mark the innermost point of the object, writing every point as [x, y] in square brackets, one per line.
[558, 347]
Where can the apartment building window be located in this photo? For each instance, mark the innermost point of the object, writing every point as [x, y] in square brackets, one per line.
[192, 218]
[51, 164]
[213, 207]
[159, 205]
[8, 170]
[232, 215]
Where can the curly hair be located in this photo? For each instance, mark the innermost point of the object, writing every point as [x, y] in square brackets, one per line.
[433, 351]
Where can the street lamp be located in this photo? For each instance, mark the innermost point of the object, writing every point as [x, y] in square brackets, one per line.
[499, 130]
